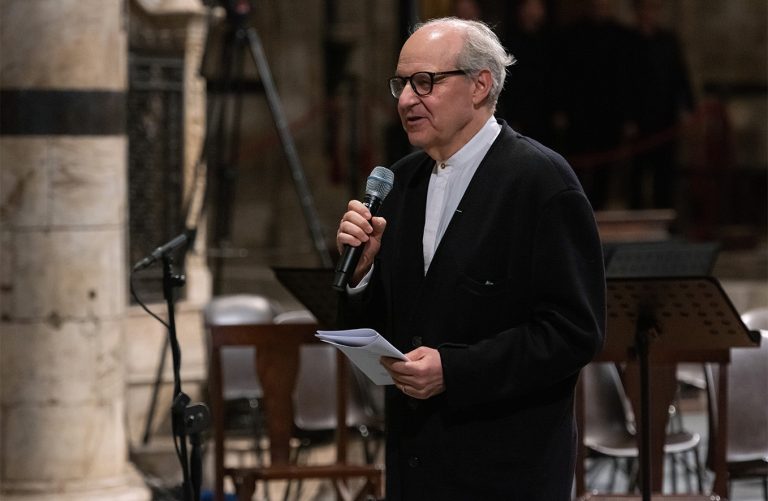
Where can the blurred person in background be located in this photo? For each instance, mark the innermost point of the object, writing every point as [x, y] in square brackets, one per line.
[595, 94]
[663, 101]
[528, 99]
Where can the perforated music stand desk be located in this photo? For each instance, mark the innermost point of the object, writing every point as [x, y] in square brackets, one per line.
[665, 320]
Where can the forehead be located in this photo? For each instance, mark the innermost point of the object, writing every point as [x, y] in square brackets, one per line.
[433, 48]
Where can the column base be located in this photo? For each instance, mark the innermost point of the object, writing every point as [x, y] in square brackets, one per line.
[130, 487]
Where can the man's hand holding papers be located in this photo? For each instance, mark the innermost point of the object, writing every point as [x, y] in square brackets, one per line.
[364, 347]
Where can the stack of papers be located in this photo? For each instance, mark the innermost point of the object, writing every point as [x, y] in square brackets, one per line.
[364, 347]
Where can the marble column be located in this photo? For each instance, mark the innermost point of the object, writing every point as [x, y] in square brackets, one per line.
[62, 252]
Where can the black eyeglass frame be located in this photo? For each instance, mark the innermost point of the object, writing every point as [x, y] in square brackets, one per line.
[409, 79]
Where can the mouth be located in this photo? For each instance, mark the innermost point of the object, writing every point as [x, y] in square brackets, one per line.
[414, 120]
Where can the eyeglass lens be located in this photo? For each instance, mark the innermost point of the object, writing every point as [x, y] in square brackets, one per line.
[421, 83]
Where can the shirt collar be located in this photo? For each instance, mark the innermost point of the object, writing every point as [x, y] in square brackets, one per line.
[479, 143]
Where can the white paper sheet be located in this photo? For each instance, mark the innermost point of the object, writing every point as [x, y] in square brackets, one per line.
[364, 347]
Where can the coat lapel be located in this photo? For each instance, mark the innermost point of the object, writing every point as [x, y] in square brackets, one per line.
[463, 218]
[408, 274]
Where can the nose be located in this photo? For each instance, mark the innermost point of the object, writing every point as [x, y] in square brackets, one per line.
[407, 97]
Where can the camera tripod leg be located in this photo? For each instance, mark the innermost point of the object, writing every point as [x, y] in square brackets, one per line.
[297, 173]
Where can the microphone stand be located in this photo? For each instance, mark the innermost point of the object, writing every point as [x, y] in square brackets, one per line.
[186, 420]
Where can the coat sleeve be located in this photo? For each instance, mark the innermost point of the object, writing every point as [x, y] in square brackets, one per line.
[565, 326]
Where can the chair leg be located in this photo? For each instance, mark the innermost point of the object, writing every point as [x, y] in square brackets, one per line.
[765, 487]
[633, 478]
[671, 459]
[257, 422]
[245, 486]
[367, 439]
[614, 472]
[296, 459]
[699, 470]
[630, 474]
[690, 467]
[593, 470]
[258, 429]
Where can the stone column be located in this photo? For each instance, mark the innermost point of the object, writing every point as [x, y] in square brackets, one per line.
[62, 252]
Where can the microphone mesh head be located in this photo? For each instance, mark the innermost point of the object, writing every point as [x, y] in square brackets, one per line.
[379, 182]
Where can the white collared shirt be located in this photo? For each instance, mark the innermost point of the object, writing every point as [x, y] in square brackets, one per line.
[447, 184]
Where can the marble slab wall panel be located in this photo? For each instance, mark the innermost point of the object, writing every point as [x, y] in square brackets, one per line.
[63, 403]
[87, 53]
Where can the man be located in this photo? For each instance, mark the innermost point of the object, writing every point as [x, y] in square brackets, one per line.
[486, 269]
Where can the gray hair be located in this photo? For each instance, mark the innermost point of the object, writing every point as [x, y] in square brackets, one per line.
[482, 50]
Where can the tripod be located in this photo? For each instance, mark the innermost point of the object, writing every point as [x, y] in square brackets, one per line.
[239, 37]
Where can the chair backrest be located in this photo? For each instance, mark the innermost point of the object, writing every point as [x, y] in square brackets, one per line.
[239, 379]
[748, 394]
[604, 404]
[241, 309]
[314, 397]
[756, 319]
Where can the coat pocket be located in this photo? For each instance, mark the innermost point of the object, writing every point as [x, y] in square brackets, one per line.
[485, 287]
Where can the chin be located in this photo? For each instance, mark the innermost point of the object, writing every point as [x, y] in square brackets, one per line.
[417, 140]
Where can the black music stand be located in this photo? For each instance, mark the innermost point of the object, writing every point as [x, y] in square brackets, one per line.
[658, 309]
[311, 287]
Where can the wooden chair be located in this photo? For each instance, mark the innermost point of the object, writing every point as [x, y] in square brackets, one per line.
[240, 386]
[277, 364]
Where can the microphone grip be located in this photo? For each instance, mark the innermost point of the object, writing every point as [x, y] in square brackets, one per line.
[351, 255]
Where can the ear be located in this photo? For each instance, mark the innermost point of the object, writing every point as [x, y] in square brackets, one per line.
[482, 87]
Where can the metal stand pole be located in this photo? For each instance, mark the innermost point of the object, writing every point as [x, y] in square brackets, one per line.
[186, 420]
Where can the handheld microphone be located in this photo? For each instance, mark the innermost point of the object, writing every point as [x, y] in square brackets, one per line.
[377, 187]
[166, 248]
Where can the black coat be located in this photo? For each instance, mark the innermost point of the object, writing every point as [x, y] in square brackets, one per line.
[514, 300]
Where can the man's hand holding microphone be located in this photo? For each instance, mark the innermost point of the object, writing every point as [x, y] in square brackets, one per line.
[358, 240]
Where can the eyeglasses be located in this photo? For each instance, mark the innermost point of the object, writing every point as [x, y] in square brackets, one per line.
[421, 82]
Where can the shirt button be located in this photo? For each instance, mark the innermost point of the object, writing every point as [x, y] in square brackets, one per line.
[416, 341]
[414, 462]
[442, 165]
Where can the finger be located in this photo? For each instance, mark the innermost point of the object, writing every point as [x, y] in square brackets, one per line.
[415, 391]
[378, 224]
[358, 207]
[397, 368]
[355, 227]
[351, 235]
[352, 218]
